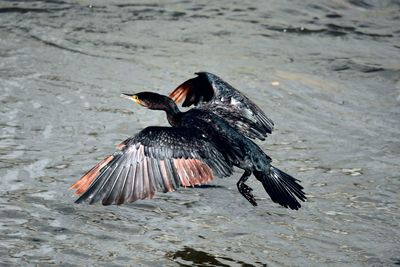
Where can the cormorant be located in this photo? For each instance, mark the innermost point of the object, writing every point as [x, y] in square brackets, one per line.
[203, 142]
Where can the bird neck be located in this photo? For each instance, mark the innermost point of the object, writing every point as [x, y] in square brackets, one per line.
[173, 113]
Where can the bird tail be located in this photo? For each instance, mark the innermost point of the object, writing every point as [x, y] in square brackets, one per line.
[281, 187]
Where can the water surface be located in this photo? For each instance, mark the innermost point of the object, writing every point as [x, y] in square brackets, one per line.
[326, 72]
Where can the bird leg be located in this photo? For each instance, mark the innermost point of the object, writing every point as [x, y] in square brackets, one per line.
[244, 189]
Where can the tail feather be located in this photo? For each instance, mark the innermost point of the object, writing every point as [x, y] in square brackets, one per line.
[281, 187]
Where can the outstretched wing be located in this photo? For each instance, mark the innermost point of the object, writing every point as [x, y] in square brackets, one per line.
[208, 91]
[156, 159]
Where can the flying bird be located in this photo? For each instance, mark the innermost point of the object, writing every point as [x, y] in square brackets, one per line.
[206, 141]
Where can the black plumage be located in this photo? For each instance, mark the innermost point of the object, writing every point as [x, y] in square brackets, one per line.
[209, 92]
[203, 142]
[156, 159]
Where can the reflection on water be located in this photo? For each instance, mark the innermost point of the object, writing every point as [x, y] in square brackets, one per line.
[326, 72]
[191, 257]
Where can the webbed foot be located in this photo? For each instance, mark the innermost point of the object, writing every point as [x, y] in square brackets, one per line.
[245, 190]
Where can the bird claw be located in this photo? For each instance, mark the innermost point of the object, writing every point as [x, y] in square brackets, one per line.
[245, 190]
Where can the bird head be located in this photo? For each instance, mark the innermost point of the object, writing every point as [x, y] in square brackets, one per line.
[149, 100]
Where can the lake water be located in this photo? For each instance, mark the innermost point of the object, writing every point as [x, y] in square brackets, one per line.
[326, 72]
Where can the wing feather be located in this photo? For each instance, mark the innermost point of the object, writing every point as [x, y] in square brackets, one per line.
[125, 185]
[156, 159]
[208, 91]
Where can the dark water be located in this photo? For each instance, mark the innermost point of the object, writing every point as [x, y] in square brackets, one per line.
[327, 73]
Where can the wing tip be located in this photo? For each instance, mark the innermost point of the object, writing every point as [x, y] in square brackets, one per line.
[86, 180]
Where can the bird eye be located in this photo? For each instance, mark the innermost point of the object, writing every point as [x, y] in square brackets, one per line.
[135, 97]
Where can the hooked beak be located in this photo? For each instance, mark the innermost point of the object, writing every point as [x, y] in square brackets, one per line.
[130, 97]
